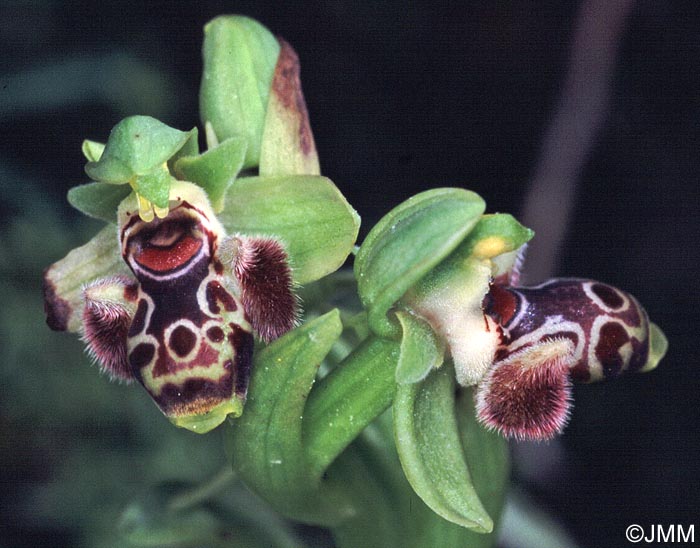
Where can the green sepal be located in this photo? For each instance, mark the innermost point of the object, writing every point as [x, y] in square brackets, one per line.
[407, 243]
[266, 441]
[92, 150]
[214, 170]
[98, 200]
[421, 349]
[429, 446]
[64, 280]
[239, 61]
[136, 146]
[308, 214]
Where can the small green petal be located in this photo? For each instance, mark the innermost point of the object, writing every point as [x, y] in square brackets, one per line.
[92, 150]
[98, 200]
[214, 170]
[190, 148]
[421, 350]
[407, 243]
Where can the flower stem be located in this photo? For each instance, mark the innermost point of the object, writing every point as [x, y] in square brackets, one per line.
[204, 491]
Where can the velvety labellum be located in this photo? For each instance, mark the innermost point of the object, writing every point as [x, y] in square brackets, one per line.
[561, 330]
[186, 333]
[181, 301]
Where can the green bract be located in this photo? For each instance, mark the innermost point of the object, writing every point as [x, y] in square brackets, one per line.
[431, 452]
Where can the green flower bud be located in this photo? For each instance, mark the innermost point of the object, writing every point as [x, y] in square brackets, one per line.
[450, 296]
[239, 62]
[251, 91]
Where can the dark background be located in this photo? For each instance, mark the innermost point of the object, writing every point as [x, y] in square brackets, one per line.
[402, 98]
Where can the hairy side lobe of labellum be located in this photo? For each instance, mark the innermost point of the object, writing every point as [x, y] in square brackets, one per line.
[560, 330]
[109, 307]
[528, 394]
[261, 267]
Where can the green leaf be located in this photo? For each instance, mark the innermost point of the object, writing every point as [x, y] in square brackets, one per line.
[346, 400]
[136, 146]
[421, 350]
[308, 214]
[214, 170]
[64, 280]
[239, 60]
[92, 150]
[407, 243]
[98, 200]
[266, 441]
[288, 146]
[431, 453]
